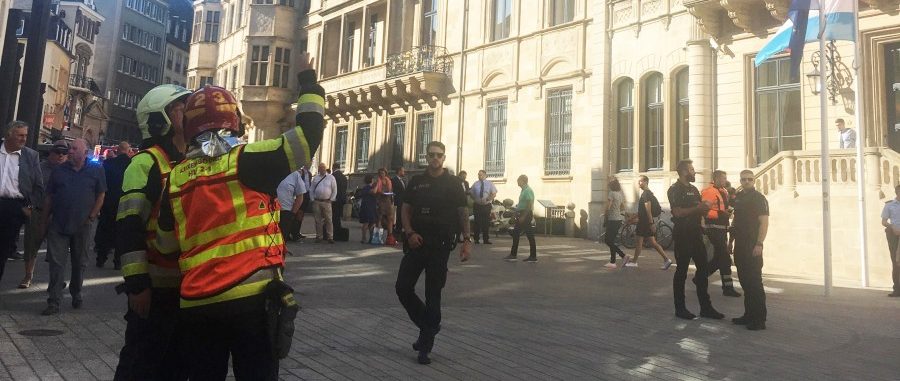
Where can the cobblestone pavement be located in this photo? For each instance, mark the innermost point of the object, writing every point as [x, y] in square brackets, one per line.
[565, 317]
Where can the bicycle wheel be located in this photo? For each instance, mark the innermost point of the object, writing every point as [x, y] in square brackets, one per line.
[627, 237]
[664, 235]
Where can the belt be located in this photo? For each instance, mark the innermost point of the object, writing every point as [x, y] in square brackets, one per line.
[323, 199]
[717, 226]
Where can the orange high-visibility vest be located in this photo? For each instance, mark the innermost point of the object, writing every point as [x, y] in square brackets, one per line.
[713, 194]
[164, 271]
[227, 233]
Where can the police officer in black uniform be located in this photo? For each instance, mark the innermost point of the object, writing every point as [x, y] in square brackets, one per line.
[687, 212]
[433, 212]
[751, 223]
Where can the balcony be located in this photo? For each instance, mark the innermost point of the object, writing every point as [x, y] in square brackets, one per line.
[420, 73]
[84, 84]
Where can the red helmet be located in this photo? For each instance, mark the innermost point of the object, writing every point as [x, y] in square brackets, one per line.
[211, 108]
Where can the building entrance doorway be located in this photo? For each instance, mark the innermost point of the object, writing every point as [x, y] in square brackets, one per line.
[892, 92]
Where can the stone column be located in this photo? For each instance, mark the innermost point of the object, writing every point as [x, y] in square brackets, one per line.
[700, 93]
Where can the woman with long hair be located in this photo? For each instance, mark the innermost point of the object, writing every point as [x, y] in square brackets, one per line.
[615, 204]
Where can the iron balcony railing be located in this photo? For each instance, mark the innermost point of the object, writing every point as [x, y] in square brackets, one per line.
[428, 58]
[84, 83]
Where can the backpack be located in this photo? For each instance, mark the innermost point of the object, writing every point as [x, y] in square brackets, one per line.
[655, 208]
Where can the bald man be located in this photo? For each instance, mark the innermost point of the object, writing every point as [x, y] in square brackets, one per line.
[114, 170]
[75, 195]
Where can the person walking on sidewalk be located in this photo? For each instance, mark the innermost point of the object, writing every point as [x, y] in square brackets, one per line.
[687, 213]
[483, 193]
[434, 210]
[59, 153]
[751, 223]
[21, 188]
[645, 230]
[290, 196]
[323, 191]
[615, 205]
[75, 195]
[525, 214]
[105, 237]
[398, 183]
[337, 206]
[890, 219]
[717, 221]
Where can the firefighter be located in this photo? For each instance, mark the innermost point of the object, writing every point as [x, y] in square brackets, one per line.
[151, 281]
[716, 220]
[219, 217]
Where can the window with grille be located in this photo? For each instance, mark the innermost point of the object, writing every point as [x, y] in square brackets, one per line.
[340, 147]
[424, 135]
[559, 133]
[502, 14]
[362, 147]
[682, 117]
[653, 122]
[398, 129]
[778, 123]
[281, 65]
[495, 149]
[259, 65]
[625, 126]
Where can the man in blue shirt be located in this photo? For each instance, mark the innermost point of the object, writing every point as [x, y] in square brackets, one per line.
[890, 219]
[75, 195]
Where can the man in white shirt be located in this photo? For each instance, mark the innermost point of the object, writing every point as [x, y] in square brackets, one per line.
[483, 193]
[847, 135]
[290, 195]
[21, 187]
[323, 191]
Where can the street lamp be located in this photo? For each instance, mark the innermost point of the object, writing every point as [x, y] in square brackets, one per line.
[813, 78]
[837, 74]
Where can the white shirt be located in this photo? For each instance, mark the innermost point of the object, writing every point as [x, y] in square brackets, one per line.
[323, 187]
[289, 188]
[9, 173]
[489, 189]
[848, 138]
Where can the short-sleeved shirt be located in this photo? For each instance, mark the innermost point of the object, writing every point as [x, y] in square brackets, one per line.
[614, 211]
[891, 212]
[481, 191]
[748, 206]
[526, 199]
[646, 196]
[685, 196]
[434, 202]
[73, 194]
[289, 188]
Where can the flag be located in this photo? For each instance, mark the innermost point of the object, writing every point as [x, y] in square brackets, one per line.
[840, 25]
[799, 16]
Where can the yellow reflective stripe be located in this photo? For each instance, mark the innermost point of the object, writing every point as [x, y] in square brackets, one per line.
[135, 269]
[296, 148]
[161, 159]
[227, 250]
[267, 145]
[134, 257]
[134, 204]
[166, 242]
[310, 98]
[221, 231]
[242, 290]
[190, 170]
[311, 107]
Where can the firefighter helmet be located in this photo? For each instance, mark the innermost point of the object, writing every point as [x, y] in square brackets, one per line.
[211, 108]
[151, 110]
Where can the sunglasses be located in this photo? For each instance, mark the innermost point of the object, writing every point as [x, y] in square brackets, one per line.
[747, 179]
[435, 155]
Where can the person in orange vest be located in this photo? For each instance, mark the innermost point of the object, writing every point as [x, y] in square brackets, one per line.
[151, 281]
[717, 219]
[220, 217]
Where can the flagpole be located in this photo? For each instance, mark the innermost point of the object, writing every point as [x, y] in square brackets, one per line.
[825, 160]
[860, 143]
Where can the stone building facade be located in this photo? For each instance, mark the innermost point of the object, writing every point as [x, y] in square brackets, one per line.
[86, 106]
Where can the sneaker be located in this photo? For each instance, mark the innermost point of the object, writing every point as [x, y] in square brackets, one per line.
[531, 259]
[730, 291]
[711, 313]
[50, 310]
[17, 256]
[511, 257]
[685, 314]
[631, 264]
[625, 262]
[610, 265]
[666, 264]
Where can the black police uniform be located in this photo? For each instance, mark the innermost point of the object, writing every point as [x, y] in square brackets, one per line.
[748, 206]
[434, 202]
[688, 234]
[717, 232]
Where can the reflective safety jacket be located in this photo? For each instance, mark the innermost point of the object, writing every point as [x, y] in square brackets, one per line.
[717, 216]
[137, 218]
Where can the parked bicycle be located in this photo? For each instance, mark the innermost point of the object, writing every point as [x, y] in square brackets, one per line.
[627, 237]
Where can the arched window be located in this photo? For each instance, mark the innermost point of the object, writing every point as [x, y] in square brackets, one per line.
[625, 126]
[653, 122]
[682, 125]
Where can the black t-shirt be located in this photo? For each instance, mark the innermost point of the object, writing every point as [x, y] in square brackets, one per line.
[685, 196]
[434, 202]
[748, 206]
[646, 196]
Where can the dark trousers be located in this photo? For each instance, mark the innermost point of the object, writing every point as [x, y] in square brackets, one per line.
[892, 247]
[431, 258]
[211, 339]
[482, 222]
[721, 261]
[524, 226]
[337, 213]
[749, 270]
[689, 246]
[105, 237]
[612, 232]
[61, 248]
[290, 229]
[10, 224]
[151, 350]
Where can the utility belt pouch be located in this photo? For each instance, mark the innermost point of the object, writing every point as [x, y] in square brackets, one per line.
[282, 309]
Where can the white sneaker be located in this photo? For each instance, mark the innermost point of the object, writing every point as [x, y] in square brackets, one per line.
[666, 264]
[610, 265]
[631, 264]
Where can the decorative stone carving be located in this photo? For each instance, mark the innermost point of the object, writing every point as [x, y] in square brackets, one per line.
[778, 8]
[740, 13]
[650, 8]
[708, 15]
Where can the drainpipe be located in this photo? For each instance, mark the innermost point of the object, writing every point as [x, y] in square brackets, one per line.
[462, 81]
